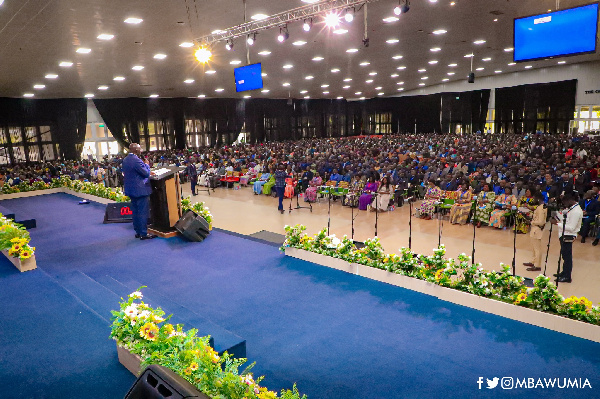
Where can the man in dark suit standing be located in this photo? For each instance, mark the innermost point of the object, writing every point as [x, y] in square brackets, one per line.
[136, 179]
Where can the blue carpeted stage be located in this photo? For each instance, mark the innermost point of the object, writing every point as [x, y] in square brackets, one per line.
[337, 335]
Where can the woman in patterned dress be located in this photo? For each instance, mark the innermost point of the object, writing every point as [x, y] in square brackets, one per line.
[502, 204]
[485, 205]
[354, 191]
[427, 207]
[311, 192]
[526, 208]
[459, 213]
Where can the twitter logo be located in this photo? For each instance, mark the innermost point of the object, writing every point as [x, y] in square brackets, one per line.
[493, 383]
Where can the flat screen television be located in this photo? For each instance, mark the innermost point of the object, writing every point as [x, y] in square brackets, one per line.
[248, 77]
[561, 33]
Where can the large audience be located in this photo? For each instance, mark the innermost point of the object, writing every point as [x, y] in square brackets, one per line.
[471, 178]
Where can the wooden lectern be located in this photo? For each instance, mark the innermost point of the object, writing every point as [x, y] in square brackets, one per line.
[165, 202]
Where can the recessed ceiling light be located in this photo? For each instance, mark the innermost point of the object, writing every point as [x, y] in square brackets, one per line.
[340, 31]
[435, 49]
[306, 97]
[339, 97]
[528, 66]
[325, 92]
[66, 64]
[137, 67]
[247, 96]
[39, 87]
[498, 71]
[133, 20]
[562, 62]
[102, 87]
[303, 91]
[263, 74]
[372, 73]
[235, 62]
[153, 95]
[450, 73]
[512, 63]
[452, 3]
[189, 81]
[452, 65]
[286, 84]
[201, 95]
[392, 41]
[288, 66]
[495, 19]
[480, 69]
[83, 50]
[380, 94]
[369, 81]
[352, 50]
[421, 84]
[358, 93]
[388, 20]
[401, 68]
[394, 75]
[217, 31]
[325, 86]
[470, 55]
[119, 78]
[318, 58]
[400, 88]
[378, 88]
[258, 17]
[264, 52]
[364, 63]
[346, 87]
[309, 77]
[509, 49]
[480, 41]
[425, 78]
[105, 36]
[51, 76]
[89, 95]
[264, 90]
[439, 31]
[397, 57]
[186, 44]
[422, 70]
[486, 59]
[210, 72]
[433, 62]
[363, 97]
[160, 56]
[218, 90]
[445, 80]
[335, 70]
[299, 43]
[28, 95]
[400, 83]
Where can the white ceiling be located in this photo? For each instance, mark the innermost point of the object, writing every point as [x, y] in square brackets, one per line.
[35, 35]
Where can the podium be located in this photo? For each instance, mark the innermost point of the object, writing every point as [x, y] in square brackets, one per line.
[165, 202]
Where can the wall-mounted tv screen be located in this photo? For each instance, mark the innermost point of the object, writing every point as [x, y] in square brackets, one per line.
[560, 33]
[248, 77]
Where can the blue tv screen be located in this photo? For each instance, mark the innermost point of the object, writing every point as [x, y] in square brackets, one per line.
[560, 33]
[248, 77]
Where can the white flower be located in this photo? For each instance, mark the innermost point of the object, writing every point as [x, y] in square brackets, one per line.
[131, 311]
[336, 241]
[136, 295]
[144, 315]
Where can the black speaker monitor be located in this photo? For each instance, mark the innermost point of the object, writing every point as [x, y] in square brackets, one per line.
[193, 227]
[158, 382]
[472, 77]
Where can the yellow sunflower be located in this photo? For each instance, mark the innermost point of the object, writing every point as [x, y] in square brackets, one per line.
[194, 366]
[149, 331]
[25, 254]
[16, 247]
[168, 328]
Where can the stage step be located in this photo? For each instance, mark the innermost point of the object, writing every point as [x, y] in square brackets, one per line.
[221, 339]
[7, 213]
[91, 293]
[27, 223]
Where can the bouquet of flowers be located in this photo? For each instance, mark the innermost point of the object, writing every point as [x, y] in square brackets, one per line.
[15, 239]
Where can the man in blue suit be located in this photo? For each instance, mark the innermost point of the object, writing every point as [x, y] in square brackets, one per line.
[136, 181]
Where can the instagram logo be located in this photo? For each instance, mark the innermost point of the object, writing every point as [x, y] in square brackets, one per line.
[507, 383]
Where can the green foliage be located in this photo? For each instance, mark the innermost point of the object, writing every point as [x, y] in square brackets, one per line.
[199, 208]
[15, 239]
[96, 189]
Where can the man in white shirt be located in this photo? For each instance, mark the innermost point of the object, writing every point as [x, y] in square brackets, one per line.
[567, 232]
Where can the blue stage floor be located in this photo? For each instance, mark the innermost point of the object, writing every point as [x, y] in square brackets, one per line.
[339, 336]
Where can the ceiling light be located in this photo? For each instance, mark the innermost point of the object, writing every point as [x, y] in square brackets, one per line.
[372, 73]
[286, 84]
[235, 62]
[346, 87]
[303, 91]
[137, 68]
[340, 31]
[263, 74]
[134, 21]
[28, 95]
[89, 95]
[498, 71]
[422, 70]
[188, 81]
[439, 31]
[186, 44]
[83, 50]
[433, 1]
[217, 31]
[247, 96]
[39, 87]
[251, 39]
[218, 90]
[105, 36]
[102, 87]
[425, 78]
[210, 72]
[378, 88]
[309, 77]
[480, 69]
[339, 98]
[153, 95]
[264, 90]
[509, 49]
[318, 58]
[352, 50]
[288, 66]
[325, 92]
[307, 25]
[452, 3]
[332, 19]
[433, 62]
[201, 95]
[364, 63]
[452, 65]
[435, 49]
[66, 64]
[325, 86]
[401, 68]
[363, 97]
[369, 81]
[380, 94]
[512, 63]
[358, 93]
[389, 20]
[469, 55]
[528, 66]
[335, 70]
[258, 17]
[401, 89]
[394, 75]
[306, 97]
[421, 84]
[349, 16]
[562, 62]
[348, 80]
[486, 59]
[397, 57]
[445, 80]
[392, 41]
[284, 34]
[264, 52]
[400, 83]
[51, 76]
[203, 55]
[481, 41]
[229, 44]
[299, 43]
[495, 19]
[160, 56]
[450, 74]
[118, 78]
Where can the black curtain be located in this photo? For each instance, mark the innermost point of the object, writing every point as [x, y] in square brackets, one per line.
[122, 117]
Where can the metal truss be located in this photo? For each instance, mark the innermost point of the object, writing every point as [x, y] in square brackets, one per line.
[281, 19]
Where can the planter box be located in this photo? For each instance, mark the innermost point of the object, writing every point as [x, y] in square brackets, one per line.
[530, 316]
[22, 265]
[54, 191]
[131, 361]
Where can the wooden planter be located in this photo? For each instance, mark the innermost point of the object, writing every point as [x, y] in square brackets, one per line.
[526, 315]
[22, 265]
[131, 361]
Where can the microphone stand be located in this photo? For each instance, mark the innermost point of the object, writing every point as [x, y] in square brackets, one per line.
[514, 261]
[562, 237]
[548, 249]
[410, 223]
[329, 209]
[440, 222]
[376, 212]
[474, 229]
[352, 208]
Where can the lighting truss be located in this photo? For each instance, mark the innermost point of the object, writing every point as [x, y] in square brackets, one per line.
[277, 20]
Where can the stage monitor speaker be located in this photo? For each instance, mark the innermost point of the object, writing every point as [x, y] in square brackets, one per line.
[158, 382]
[472, 77]
[193, 227]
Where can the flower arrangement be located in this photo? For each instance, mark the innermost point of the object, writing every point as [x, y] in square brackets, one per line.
[96, 189]
[198, 207]
[460, 274]
[15, 239]
[146, 332]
